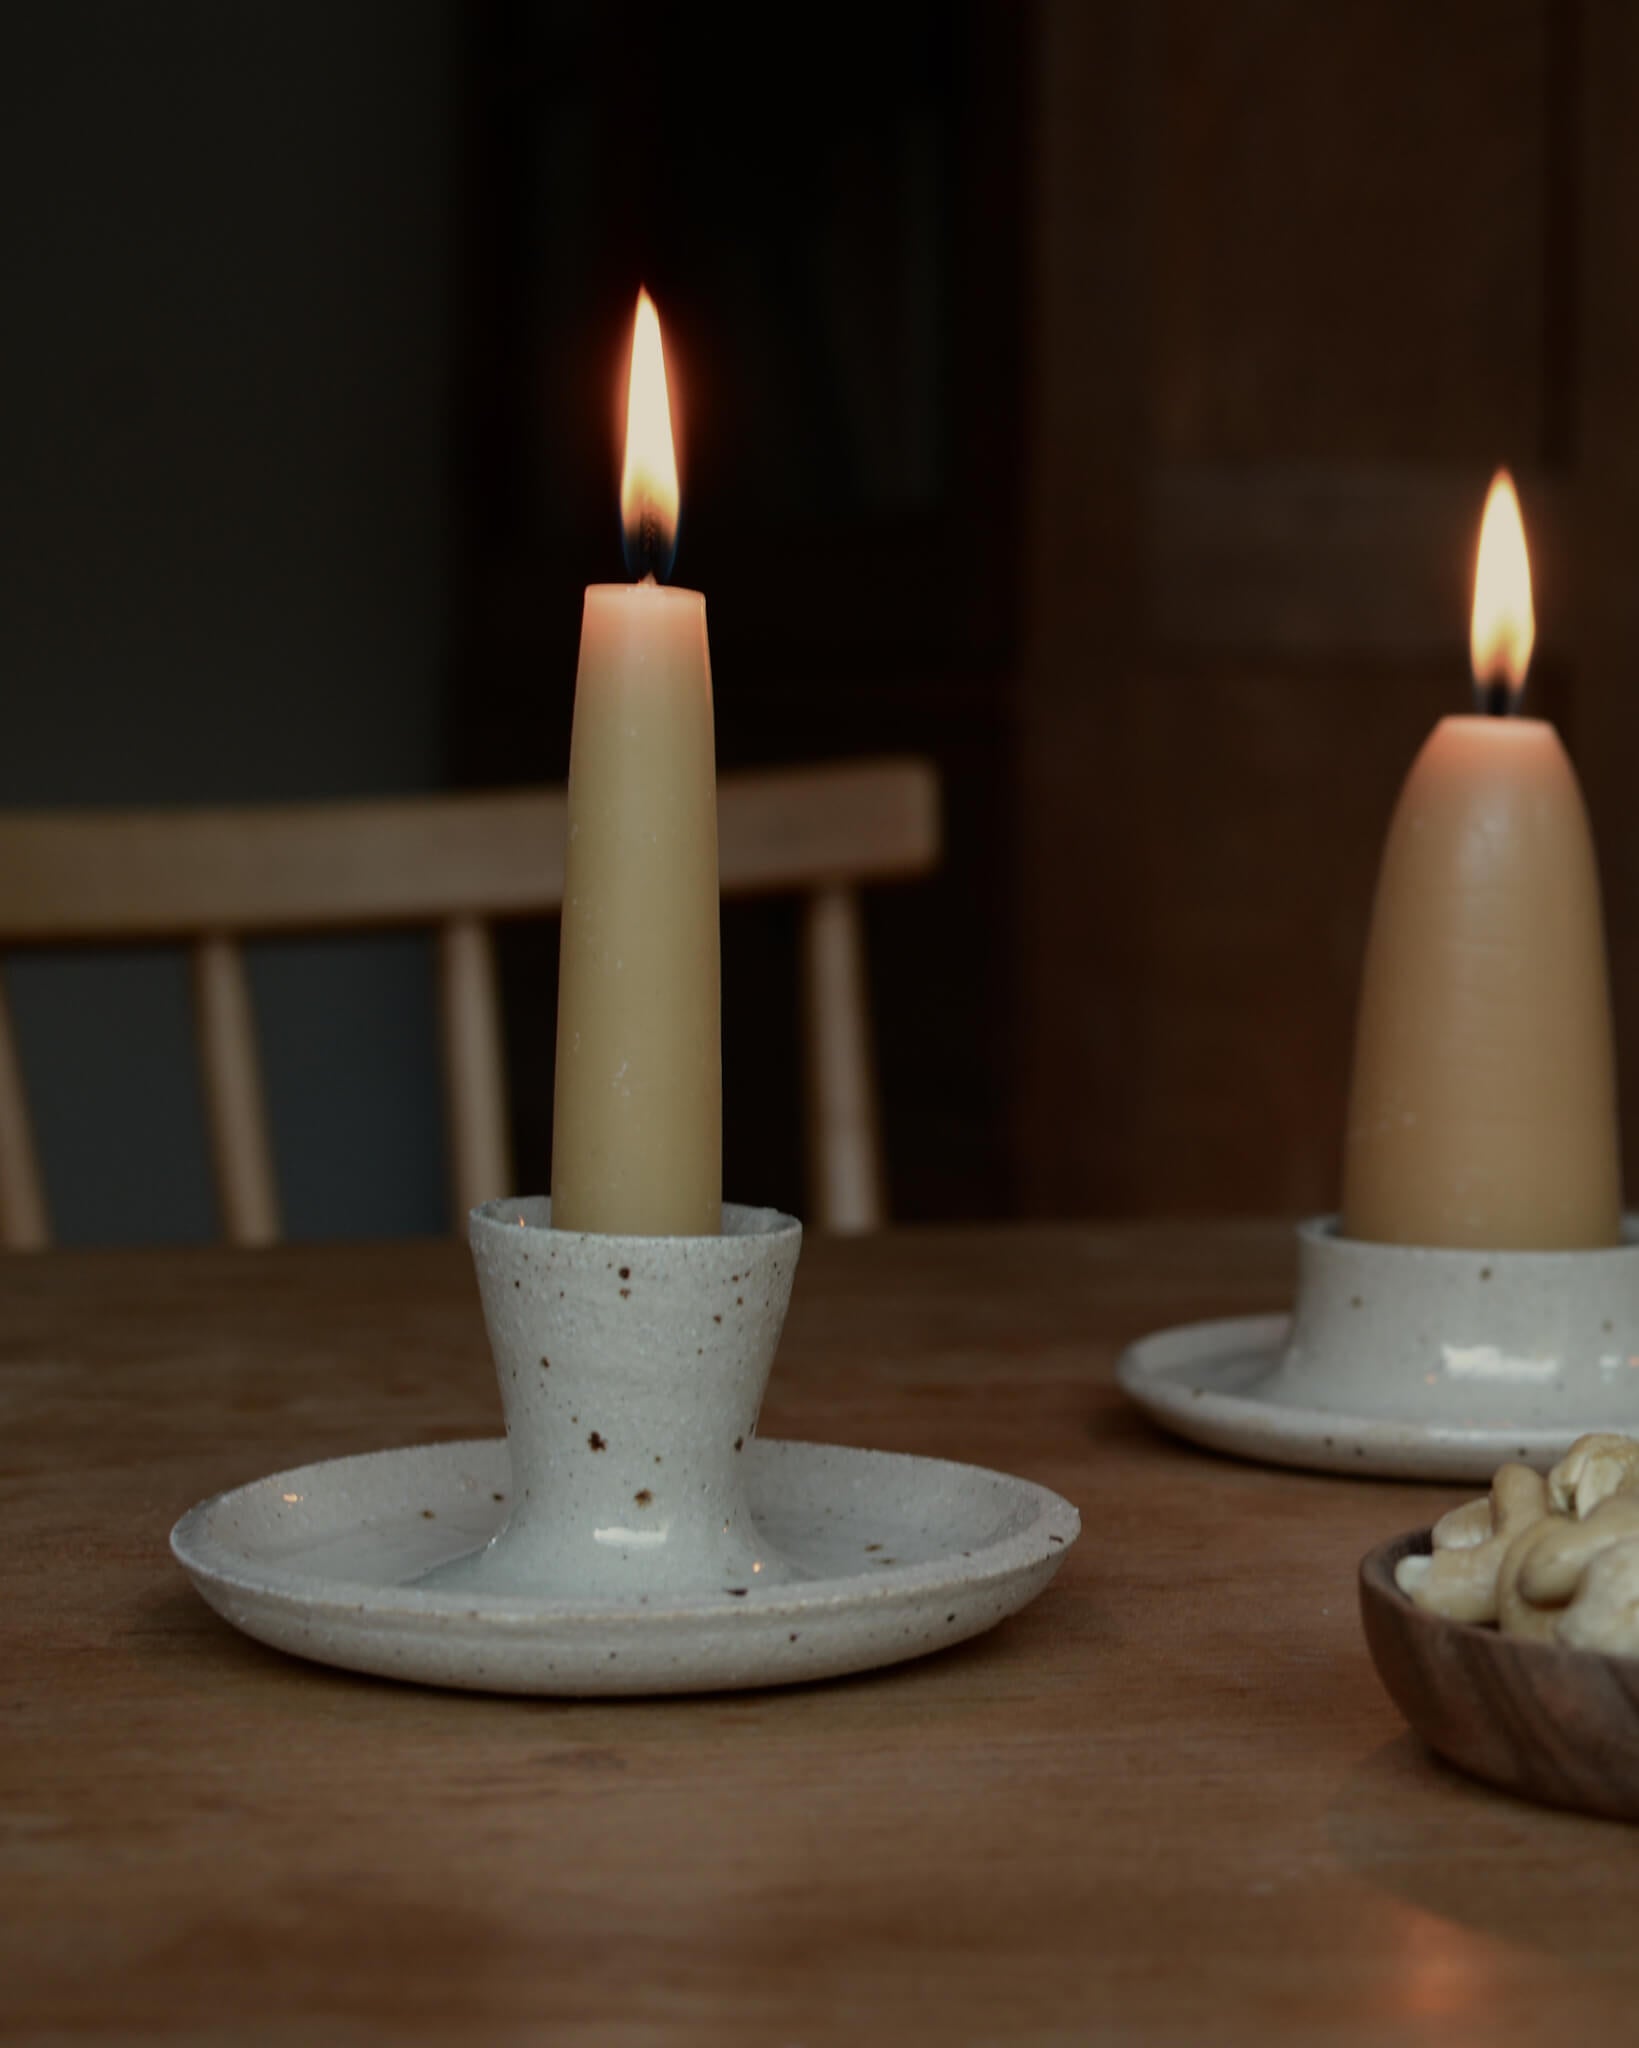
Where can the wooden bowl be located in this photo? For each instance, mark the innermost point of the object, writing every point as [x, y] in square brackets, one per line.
[1555, 1725]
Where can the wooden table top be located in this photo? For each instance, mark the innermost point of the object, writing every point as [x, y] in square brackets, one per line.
[1169, 1802]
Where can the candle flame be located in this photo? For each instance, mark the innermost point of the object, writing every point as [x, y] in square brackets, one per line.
[648, 482]
[1504, 628]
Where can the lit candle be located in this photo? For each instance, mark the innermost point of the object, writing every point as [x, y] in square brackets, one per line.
[637, 1140]
[1483, 1107]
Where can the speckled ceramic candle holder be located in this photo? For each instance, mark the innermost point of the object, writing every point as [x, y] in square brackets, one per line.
[1463, 1337]
[1409, 1362]
[632, 1370]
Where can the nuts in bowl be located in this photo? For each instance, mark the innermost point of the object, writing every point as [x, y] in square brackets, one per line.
[1550, 1560]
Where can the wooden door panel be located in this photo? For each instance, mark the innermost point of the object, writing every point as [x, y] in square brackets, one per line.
[1349, 228]
[1218, 909]
[1306, 274]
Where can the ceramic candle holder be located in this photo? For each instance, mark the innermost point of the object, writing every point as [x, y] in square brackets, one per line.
[1469, 1338]
[632, 1370]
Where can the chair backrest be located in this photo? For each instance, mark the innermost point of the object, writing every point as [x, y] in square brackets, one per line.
[210, 878]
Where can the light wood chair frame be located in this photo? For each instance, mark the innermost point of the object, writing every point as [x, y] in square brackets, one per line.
[210, 879]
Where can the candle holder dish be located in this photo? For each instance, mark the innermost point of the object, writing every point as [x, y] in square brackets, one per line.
[631, 1534]
[1409, 1362]
[1556, 1725]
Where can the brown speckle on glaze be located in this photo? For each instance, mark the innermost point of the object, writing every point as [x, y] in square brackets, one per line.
[739, 1443]
[596, 1443]
[497, 1496]
[625, 1272]
[735, 1592]
[717, 1319]
[427, 1515]
[643, 1497]
[872, 1546]
[546, 1363]
[625, 1294]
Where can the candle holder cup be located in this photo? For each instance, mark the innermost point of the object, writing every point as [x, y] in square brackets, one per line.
[1463, 1338]
[631, 1370]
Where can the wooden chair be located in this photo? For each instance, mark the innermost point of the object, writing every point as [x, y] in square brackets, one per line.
[210, 878]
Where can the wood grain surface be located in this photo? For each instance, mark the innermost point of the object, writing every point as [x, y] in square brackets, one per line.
[1169, 1803]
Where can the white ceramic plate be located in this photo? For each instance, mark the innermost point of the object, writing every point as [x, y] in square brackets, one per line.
[1207, 1382]
[903, 1556]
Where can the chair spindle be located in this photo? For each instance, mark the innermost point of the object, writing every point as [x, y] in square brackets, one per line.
[241, 1151]
[25, 1221]
[474, 1067]
[847, 1193]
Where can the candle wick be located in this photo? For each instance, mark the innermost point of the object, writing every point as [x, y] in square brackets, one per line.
[1493, 698]
[648, 547]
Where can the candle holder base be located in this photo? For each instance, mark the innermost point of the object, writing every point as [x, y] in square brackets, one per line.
[891, 1557]
[1409, 1362]
[632, 1535]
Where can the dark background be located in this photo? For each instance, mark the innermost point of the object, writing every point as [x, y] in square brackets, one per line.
[1096, 397]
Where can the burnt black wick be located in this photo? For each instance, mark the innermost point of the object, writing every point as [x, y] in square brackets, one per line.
[1494, 699]
[649, 546]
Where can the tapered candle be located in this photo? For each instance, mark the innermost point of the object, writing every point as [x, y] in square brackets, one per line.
[1483, 1105]
[637, 1121]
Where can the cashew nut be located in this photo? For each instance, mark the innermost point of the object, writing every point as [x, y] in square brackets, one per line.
[1463, 1527]
[1460, 1580]
[1592, 1470]
[1604, 1611]
[1541, 1570]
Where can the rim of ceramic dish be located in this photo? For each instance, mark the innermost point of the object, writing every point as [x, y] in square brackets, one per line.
[533, 1215]
[1048, 1538]
[1162, 1374]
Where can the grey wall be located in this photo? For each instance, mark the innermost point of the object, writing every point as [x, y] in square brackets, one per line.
[223, 425]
